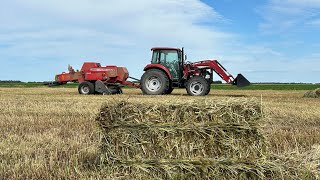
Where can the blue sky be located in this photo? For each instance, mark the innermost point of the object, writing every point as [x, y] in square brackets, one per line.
[266, 40]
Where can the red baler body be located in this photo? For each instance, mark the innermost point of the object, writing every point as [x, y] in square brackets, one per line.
[92, 71]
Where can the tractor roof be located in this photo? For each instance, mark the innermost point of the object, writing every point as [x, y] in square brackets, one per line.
[164, 48]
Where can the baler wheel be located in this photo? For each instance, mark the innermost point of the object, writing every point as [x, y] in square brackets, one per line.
[120, 90]
[154, 82]
[113, 90]
[86, 88]
[197, 86]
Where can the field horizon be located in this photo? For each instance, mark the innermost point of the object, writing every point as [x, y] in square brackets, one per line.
[253, 86]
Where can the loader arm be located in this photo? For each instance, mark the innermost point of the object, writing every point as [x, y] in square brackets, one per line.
[215, 66]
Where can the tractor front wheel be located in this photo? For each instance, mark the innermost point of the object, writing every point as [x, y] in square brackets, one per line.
[197, 86]
[86, 88]
[154, 82]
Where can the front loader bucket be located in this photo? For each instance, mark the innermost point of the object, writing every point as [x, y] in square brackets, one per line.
[241, 81]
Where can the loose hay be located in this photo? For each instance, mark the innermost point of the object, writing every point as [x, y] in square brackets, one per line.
[312, 94]
[185, 140]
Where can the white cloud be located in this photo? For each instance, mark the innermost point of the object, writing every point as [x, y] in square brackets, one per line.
[119, 32]
[283, 15]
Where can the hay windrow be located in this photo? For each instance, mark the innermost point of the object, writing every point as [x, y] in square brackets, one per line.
[312, 94]
[183, 140]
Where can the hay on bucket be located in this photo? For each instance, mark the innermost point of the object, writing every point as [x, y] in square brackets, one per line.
[312, 94]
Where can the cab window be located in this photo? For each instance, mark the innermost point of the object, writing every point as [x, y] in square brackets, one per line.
[155, 57]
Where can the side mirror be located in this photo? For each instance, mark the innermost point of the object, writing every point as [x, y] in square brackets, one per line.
[185, 57]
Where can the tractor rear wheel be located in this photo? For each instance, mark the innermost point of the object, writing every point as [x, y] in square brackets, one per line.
[86, 88]
[197, 86]
[154, 82]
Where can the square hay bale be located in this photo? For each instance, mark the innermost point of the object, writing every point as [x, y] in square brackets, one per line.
[171, 140]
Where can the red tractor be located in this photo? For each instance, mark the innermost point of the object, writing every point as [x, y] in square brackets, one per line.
[168, 70]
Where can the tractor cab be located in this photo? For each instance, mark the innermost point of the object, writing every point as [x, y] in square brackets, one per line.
[171, 58]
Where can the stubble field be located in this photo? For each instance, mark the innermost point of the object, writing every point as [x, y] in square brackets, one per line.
[50, 133]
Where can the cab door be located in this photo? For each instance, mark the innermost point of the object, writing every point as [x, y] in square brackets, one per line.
[170, 60]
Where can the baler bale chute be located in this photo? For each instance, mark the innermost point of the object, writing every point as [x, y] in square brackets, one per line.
[168, 70]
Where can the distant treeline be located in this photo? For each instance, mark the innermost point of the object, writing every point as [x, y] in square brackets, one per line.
[10, 81]
[16, 81]
[217, 82]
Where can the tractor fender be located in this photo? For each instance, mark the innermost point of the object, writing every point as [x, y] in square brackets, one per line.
[160, 67]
